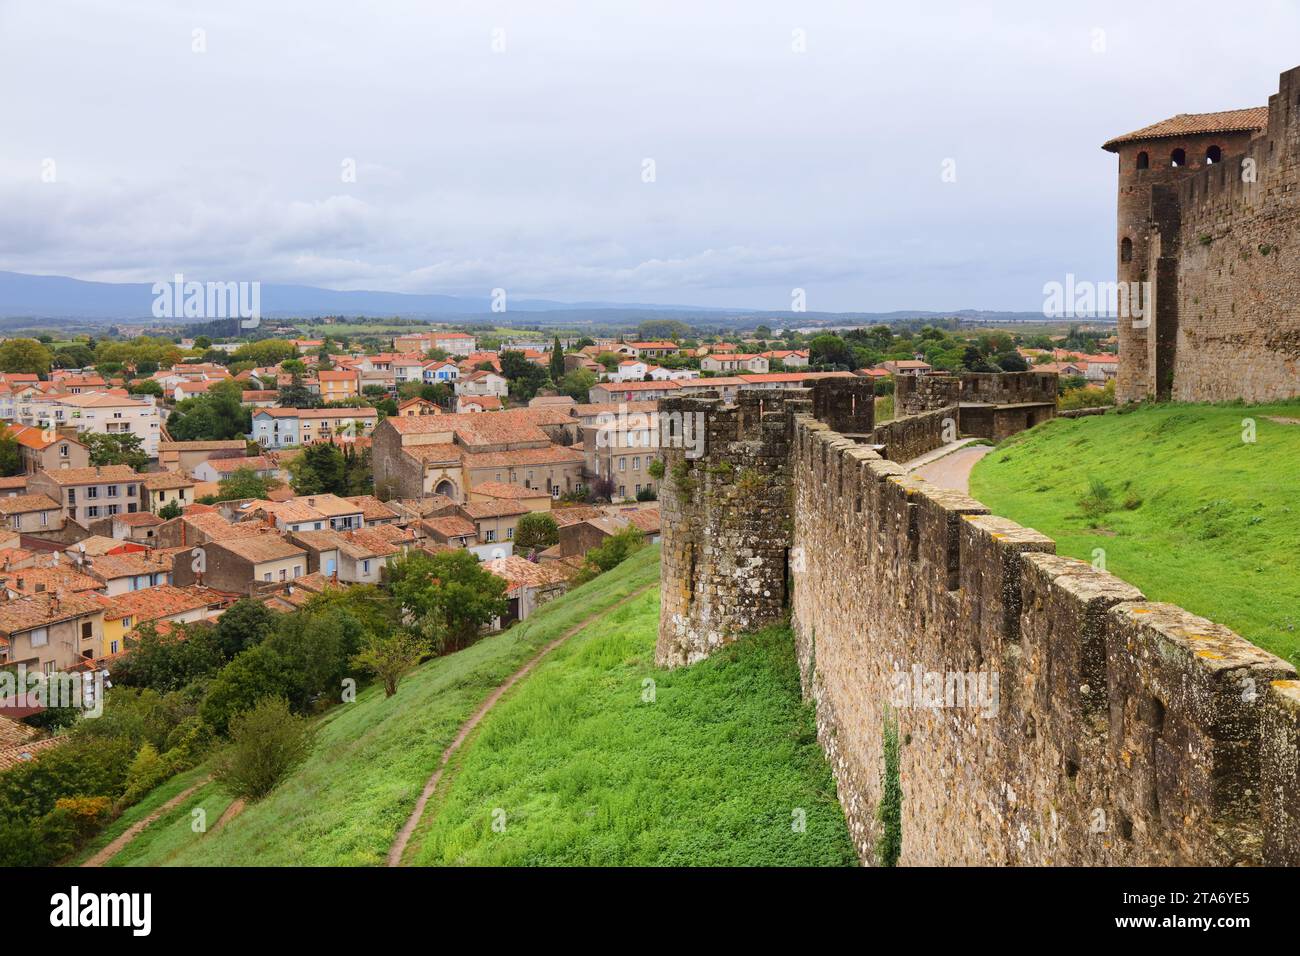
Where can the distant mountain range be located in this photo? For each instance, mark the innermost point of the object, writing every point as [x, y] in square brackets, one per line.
[60, 297]
[30, 300]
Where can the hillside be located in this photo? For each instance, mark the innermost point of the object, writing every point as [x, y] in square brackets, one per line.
[1181, 505]
[346, 803]
[603, 759]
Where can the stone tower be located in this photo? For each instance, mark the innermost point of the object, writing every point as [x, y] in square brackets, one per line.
[1151, 160]
[726, 508]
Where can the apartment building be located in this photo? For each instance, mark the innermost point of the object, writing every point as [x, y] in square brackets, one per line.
[96, 412]
[87, 494]
[290, 427]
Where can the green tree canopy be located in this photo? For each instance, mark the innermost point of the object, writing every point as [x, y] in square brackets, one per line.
[450, 596]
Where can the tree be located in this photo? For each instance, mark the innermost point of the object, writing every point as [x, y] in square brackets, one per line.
[577, 384]
[115, 449]
[244, 624]
[265, 352]
[1012, 362]
[73, 356]
[537, 530]
[320, 469]
[266, 743]
[557, 360]
[655, 329]
[244, 483]
[525, 377]
[215, 415]
[202, 343]
[24, 355]
[297, 395]
[449, 596]
[391, 656]
[170, 510]
[830, 350]
[610, 360]
[11, 457]
[145, 386]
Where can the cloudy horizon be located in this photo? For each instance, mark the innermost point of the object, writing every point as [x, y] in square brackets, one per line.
[936, 158]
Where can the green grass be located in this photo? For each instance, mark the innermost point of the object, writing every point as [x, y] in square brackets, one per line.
[1183, 507]
[345, 805]
[715, 771]
[138, 811]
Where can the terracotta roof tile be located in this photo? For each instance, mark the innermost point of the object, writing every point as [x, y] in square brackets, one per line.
[1192, 124]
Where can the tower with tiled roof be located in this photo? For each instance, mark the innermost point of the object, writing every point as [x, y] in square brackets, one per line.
[1161, 155]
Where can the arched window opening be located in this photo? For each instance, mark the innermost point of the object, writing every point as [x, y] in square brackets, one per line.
[1126, 250]
[1213, 155]
[1144, 161]
[445, 487]
[1178, 158]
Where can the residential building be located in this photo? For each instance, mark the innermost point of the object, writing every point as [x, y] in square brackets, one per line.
[290, 427]
[44, 449]
[216, 469]
[124, 613]
[906, 367]
[31, 514]
[734, 362]
[477, 403]
[51, 632]
[162, 488]
[87, 494]
[105, 412]
[123, 573]
[339, 384]
[305, 513]
[417, 406]
[643, 350]
[606, 392]
[482, 382]
[529, 585]
[184, 456]
[240, 565]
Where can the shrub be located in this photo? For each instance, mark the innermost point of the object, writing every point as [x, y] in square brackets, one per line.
[616, 549]
[147, 770]
[390, 656]
[266, 743]
[1098, 501]
[889, 812]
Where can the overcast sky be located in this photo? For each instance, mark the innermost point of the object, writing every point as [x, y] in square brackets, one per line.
[524, 168]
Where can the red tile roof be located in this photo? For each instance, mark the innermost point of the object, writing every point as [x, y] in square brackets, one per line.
[1193, 124]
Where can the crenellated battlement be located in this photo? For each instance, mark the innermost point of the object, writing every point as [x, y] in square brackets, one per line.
[1106, 729]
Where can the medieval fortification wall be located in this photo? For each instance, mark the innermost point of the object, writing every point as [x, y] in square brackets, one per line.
[1119, 730]
[1219, 243]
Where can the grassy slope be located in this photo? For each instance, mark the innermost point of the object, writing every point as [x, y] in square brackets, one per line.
[710, 773]
[345, 805]
[1219, 519]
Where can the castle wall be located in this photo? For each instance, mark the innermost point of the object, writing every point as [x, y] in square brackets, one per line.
[1238, 257]
[1111, 730]
[1220, 244]
[1126, 732]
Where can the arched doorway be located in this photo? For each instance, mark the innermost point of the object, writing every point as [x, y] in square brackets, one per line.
[445, 487]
